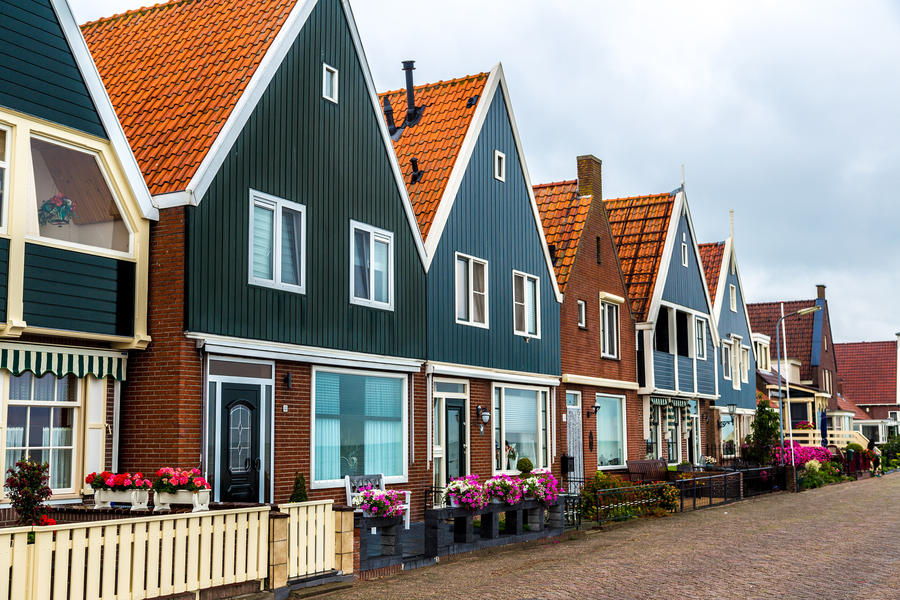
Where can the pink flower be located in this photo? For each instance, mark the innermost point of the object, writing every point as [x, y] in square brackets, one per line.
[110, 482]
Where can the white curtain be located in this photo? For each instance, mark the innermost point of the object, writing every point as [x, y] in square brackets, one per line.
[328, 448]
[291, 245]
[384, 447]
[263, 232]
[361, 264]
[520, 416]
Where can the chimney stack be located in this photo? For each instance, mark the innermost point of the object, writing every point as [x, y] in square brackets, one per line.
[820, 291]
[590, 176]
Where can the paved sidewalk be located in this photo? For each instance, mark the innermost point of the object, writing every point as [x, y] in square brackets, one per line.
[839, 542]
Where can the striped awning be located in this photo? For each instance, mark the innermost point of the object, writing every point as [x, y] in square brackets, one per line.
[62, 360]
[681, 402]
[657, 401]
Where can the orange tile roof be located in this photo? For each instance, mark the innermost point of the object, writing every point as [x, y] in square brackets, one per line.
[563, 215]
[640, 225]
[868, 371]
[436, 139]
[711, 255]
[175, 71]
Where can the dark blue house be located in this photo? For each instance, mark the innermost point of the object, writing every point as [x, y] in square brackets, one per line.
[493, 301]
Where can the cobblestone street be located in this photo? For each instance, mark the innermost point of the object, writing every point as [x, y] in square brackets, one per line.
[833, 543]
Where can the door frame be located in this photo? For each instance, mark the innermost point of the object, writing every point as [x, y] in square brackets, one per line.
[266, 413]
[442, 412]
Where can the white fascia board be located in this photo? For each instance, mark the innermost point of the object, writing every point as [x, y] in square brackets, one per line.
[467, 371]
[665, 261]
[173, 199]
[599, 382]
[232, 346]
[720, 281]
[105, 110]
[690, 223]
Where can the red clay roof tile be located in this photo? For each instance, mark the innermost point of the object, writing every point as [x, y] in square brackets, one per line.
[563, 215]
[798, 330]
[868, 371]
[711, 255]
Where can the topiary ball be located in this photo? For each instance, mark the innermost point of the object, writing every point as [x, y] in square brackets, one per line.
[524, 465]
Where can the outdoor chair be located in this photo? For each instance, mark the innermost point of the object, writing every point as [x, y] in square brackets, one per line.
[353, 483]
[647, 470]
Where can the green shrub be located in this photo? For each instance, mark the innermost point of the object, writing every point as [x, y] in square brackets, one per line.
[298, 494]
[891, 449]
[765, 433]
[853, 447]
[525, 465]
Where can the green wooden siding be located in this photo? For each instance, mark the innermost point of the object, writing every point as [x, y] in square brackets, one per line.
[78, 292]
[4, 277]
[38, 73]
[330, 158]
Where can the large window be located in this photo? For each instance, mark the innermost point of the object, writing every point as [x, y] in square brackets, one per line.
[728, 435]
[40, 424]
[359, 426]
[526, 304]
[372, 271]
[611, 450]
[4, 166]
[277, 242]
[521, 427]
[609, 315]
[75, 202]
[471, 291]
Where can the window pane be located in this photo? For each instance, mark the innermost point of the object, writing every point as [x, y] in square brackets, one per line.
[239, 423]
[728, 439]
[39, 426]
[499, 446]
[44, 387]
[60, 468]
[263, 244]
[572, 399]
[291, 246]
[62, 426]
[520, 317]
[382, 271]
[520, 415]
[462, 289]
[519, 289]
[329, 83]
[74, 202]
[20, 386]
[610, 441]
[361, 264]
[450, 388]
[479, 288]
[16, 421]
[531, 311]
[67, 389]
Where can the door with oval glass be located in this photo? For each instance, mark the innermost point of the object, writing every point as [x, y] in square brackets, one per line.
[240, 447]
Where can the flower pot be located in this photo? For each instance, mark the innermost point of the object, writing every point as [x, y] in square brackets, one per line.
[454, 503]
[136, 498]
[496, 500]
[165, 500]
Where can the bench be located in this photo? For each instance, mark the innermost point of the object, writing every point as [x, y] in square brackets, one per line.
[647, 470]
[353, 483]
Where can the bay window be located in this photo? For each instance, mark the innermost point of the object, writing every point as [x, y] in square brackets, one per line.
[359, 426]
[611, 440]
[526, 305]
[609, 316]
[371, 268]
[471, 291]
[277, 243]
[521, 419]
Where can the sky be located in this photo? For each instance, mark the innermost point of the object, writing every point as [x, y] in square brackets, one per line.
[785, 112]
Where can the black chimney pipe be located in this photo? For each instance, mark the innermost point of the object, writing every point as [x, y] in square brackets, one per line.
[389, 115]
[416, 173]
[409, 66]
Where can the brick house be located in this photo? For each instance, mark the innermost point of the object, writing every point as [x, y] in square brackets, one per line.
[867, 378]
[287, 285]
[600, 427]
[493, 302]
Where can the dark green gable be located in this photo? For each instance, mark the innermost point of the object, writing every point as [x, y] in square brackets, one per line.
[332, 159]
[38, 74]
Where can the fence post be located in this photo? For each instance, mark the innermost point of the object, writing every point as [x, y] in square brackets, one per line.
[345, 540]
[278, 549]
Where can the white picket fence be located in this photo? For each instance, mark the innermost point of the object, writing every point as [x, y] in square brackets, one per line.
[310, 537]
[132, 559]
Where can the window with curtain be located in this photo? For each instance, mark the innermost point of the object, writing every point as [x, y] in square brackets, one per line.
[471, 290]
[609, 314]
[40, 424]
[277, 243]
[372, 266]
[726, 360]
[610, 430]
[520, 427]
[726, 423]
[359, 425]
[526, 304]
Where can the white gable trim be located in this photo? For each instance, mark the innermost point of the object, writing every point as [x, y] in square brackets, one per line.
[102, 103]
[496, 80]
[737, 273]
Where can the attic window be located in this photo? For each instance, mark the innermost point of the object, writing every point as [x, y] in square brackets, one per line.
[732, 297]
[329, 83]
[499, 166]
[684, 250]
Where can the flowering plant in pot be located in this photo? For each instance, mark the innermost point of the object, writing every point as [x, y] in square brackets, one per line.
[805, 425]
[124, 488]
[504, 489]
[542, 486]
[380, 503]
[177, 486]
[466, 492]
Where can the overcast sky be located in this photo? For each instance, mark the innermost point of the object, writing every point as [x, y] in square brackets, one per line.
[785, 112]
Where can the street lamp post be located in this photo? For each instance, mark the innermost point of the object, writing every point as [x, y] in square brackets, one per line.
[800, 313]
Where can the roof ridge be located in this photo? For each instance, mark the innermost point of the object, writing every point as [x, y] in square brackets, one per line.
[644, 197]
[441, 82]
[780, 301]
[711, 244]
[128, 13]
[555, 183]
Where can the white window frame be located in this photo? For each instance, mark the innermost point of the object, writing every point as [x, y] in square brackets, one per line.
[277, 205]
[745, 364]
[77, 442]
[624, 410]
[582, 314]
[499, 166]
[540, 425]
[383, 236]
[4, 177]
[732, 297]
[699, 349]
[727, 353]
[404, 416]
[537, 307]
[604, 307]
[576, 394]
[736, 360]
[471, 260]
[684, 250]
[326, 71]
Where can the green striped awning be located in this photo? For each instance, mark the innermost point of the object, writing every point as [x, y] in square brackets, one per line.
[657, 401]
[681, 402]
[62, 360]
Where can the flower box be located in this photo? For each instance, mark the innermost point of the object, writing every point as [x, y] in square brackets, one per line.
[199, 500]
[136, 498]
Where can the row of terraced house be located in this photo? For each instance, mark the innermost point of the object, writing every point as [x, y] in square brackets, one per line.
[223, 248]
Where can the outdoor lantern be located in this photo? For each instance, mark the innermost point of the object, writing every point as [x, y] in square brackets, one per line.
[484, 415]
[732, 409]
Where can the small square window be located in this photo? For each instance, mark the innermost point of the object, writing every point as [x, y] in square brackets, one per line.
[329, 83]
[371, 266]
[499, 166]
[582, 314]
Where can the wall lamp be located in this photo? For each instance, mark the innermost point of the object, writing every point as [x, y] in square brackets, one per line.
[591, 411]
[484, 416]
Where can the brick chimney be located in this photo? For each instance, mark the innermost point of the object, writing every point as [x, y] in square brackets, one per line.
[820, 291]
[590, 176]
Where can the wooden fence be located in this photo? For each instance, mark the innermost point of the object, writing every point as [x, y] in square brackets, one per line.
[144, 557]
[311, 537]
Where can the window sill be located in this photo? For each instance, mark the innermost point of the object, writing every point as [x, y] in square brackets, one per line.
[339, 483]
[281, 287]
[386, 306]
[528, 336]
[473, 324]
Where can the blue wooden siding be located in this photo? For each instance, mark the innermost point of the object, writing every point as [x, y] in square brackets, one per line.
[684, 285]
[38, 73]
[818, 329]
[4, 277]
[686, 374]
[663, 370]
[332, 159]
[735, 323]
[78, 292]
[706, 369]
[492, 220]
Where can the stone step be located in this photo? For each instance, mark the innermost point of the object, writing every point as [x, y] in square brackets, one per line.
[320, 590]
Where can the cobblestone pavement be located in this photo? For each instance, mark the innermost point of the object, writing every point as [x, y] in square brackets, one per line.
[842, 541]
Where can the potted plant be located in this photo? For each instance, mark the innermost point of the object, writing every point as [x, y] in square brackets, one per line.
[176, 486]
[380, 503]
[122, 488]
[542, 486]
[503, 489]
[466, 492]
